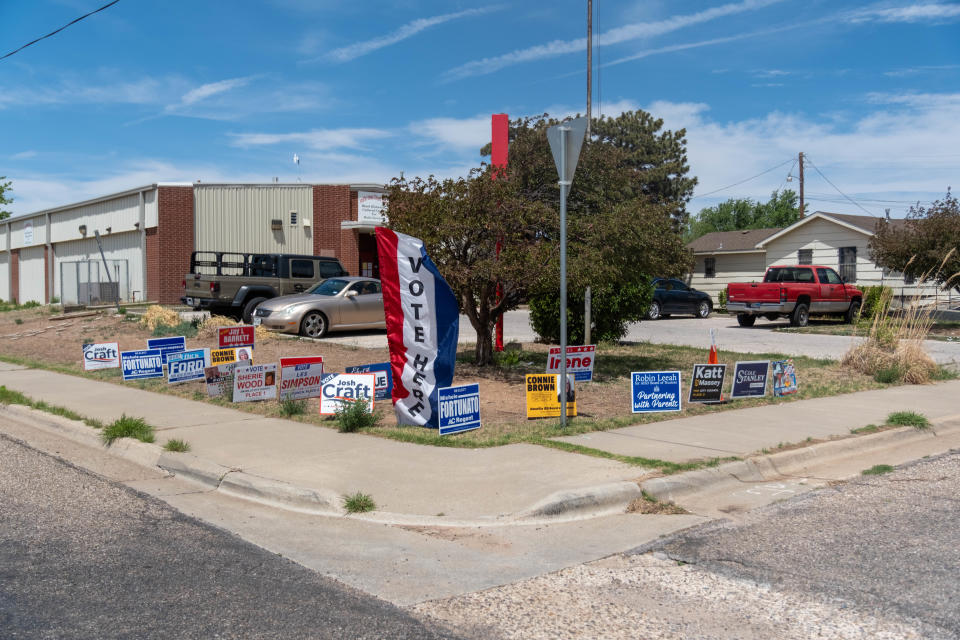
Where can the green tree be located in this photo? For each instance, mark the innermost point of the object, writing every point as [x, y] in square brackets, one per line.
[4, 198]
[736, 214]
[927, 245]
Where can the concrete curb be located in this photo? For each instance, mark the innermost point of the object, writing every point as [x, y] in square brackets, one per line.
[281, 494]
[599, 500]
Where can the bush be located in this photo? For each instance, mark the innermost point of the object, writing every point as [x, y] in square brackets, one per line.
[722, 299]
[875, 298]
[358, 503]
[186, 329]
[612, 309]
[128, 427]
[292, 407]
[355, 415]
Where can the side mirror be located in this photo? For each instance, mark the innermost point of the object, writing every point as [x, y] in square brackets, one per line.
[351, 294]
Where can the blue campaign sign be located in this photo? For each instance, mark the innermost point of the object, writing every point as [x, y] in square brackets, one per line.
[655, 391]
[138, 365]
[384, 378]
[750, 379]
[186, 365]
[167, 346]
[459, 408]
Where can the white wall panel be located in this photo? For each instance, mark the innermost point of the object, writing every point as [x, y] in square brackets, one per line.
[119, 214]
[4, 276]
[737, 267]
[32, 275]
[237, 218]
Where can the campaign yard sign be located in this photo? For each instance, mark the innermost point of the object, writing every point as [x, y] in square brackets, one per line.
[580, 361]
[655, 391]
[301, 377]
[384, 378]
[707, 385]
[543, 398]
[255, 382]
[219, 379]
[101, 355]
[243, 335]
[139, 365]
[186, 365]
[459, 408]
[750, 379]
[784, 378]
[341, 388]
[226, 356]
[167, 346]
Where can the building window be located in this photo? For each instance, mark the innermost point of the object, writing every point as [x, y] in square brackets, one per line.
[301, 268]
[908, 279]
[848, 264]
[293, 218]
[805, 256]
[710, 267]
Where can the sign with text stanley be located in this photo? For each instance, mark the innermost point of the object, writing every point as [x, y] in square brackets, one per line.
[243, 335]
[707, 384]
[750, 379]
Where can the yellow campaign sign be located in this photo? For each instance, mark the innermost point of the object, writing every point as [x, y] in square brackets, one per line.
[226, 356]
[543, 399]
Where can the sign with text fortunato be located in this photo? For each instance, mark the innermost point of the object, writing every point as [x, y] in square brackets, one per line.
[242, 335]
[707, 384]
[167, 346]
[138, 365]
[655, 391]
[102, 355]
[459, 408]
[186, 365]
[750, 379]
[579, 361]
[255, 382]
[384, 377]
[301, 377]
[342, 388]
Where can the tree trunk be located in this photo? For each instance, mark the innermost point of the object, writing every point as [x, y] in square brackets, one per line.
[484, 351]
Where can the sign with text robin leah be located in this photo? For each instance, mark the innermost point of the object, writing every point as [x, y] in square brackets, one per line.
[579, 361]
[138, 365]
[750, 379]
[219, 379]
[655, 391]
[342, 388]
[255, 382]
[103, 355]
[459, 408]
[384, 377]
[707, 384]
[784, 377]
[543, 396]
[301, 377]
[242, 335]
[186, 365]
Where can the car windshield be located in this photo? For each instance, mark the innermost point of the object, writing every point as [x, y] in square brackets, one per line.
[330, 287]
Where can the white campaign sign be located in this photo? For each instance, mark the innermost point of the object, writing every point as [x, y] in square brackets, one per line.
[104, 355]
[256, 382]
[346, 387]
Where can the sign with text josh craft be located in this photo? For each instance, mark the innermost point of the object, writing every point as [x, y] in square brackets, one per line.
[707, 384]
[459, 408]
[301, 377]
[579, 361]
[543, 397]
[342, 388]
[750, 379]
[255, 382]
[243, 335]
[655, 391]
[103, 355]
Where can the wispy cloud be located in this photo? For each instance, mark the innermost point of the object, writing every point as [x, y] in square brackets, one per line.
[358, 49]
[912, 71]
[316, 139]
[614, 36]
[204, 91]
[931, 12]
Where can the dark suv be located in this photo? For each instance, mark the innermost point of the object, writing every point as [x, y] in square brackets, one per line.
[674, 296]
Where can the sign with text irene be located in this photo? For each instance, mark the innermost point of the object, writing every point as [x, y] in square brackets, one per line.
[242, 335]
[138, 365]
[342, 388]
[103, 355]
[784, 378]
[543, 398]
[707, 384]
[459, 408]
[219, 379]
[255, 382]
[750, 379]
[384, 377]
[186, 365]
[655, 391]
[579, 361]
[167, 346]
[301, 377]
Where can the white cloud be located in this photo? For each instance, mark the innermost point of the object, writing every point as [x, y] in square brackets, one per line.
[460, 133]
[316, 139]
[613, 36]
[204, 91]
[931, 12]
[72, 90]
[23, 155]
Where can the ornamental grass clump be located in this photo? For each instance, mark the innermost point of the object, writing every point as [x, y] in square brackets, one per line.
[355, 415]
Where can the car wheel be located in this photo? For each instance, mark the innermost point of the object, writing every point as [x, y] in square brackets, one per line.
[654, 311]
[853, 312]
[314, 325]
[800, 316]
[249, 308]
[745, 319]
[703, 309]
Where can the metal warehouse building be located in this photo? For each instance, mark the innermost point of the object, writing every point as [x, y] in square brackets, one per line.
[147, 234]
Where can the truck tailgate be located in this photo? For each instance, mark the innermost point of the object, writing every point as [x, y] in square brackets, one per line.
[753, 292]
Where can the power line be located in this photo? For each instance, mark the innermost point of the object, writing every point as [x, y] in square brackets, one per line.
[109, 4]
[837, 188]
[704, 195]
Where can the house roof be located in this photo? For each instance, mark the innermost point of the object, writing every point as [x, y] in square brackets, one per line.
[866, 225]
[729, 241]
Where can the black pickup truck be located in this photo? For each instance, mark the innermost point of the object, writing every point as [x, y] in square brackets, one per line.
[233, 284]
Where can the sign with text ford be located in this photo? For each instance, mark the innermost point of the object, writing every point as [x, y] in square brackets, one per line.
[186, 365]
[655, 391]
[459, 408]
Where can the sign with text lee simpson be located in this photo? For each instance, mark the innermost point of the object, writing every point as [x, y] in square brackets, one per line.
[750, 379]
[167, 346]
[384, 377]
[655, 391]
[579, 361]
[543, 399]
[243, 335]
[255, 382]
[138, 365]
[301, 377]
[707, 384]
[459, 408]
[339, 389]
[104, 355]
[186, 365]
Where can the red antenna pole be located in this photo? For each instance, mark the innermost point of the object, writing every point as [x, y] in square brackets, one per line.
[499, 144]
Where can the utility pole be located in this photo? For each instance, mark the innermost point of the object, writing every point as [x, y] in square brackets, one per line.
[589, 61]
[802, 212]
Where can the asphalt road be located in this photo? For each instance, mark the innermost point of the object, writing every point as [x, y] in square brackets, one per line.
[82, 557]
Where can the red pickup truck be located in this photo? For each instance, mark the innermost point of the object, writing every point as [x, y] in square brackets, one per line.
[794, 291]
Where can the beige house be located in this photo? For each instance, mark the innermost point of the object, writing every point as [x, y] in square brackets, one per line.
[832, 239]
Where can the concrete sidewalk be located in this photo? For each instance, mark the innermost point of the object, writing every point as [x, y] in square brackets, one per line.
[309, 468]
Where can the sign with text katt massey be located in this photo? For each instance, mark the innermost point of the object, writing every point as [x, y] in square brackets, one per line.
[187, 365]
[226, 356]
[167, 346]
[255, 382]
[707, 384]
[301, 377]
[655, 391]
[579, 361]
[459, 408]
[101, 355]
[784, 377]
[384, 377]
[241, 335]
[139, 365]
[341, 388]
[219, 379]
[750, 379]
[543, 397]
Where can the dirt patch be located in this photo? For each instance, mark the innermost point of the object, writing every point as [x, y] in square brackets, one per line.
[653, 506]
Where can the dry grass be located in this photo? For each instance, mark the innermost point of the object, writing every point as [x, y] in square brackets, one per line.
[208, 329]
[156, 315]
[649, 504]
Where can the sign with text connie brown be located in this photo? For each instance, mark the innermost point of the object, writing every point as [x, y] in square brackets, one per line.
[750, 379]
[707, 384]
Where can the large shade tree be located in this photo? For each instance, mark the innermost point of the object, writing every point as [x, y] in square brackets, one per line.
[735, 214]
[4, 198]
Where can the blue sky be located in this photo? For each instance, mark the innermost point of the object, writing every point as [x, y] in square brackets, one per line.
[229, 91]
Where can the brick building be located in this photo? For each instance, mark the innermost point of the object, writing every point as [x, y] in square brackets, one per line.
[136, 244]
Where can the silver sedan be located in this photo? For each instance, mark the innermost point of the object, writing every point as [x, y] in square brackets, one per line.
[332, 305]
